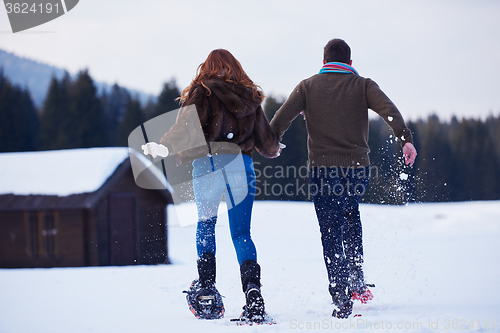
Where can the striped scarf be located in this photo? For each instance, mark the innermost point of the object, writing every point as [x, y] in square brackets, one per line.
[337, 67]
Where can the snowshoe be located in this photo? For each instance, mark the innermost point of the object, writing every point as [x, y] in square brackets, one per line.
[204, 302]
[246, 319]
[254, 308]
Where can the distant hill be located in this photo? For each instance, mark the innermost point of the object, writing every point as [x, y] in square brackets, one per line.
[36, 77]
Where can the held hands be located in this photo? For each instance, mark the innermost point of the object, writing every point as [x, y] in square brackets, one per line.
[282, 146]
[154, 149]
[409, 153]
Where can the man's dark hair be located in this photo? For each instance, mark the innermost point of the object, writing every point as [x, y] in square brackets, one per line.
[337, 50]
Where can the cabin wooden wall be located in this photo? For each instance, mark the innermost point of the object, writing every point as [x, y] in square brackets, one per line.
[88, 237]
[150, 229]
[26, 241]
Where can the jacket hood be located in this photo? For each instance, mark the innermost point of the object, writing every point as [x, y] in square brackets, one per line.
[238, 99]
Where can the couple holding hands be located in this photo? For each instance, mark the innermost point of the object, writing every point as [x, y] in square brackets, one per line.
[335, 105]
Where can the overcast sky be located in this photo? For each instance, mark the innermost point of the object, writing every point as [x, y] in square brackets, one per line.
[439, 56]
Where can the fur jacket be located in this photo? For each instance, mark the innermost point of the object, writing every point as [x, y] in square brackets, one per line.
[226, 120]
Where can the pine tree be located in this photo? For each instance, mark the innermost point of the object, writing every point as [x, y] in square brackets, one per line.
[132, 118]
[166, 100]
[55, 120]
[436, 161]
[18, 118]
[149, 109]
[88, 124]
[8, 136]
[30, 121]
[481, 172]
[115, 104]
[493, 127]
[49, 118]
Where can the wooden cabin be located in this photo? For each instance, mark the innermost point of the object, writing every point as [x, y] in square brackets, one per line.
[79, 207]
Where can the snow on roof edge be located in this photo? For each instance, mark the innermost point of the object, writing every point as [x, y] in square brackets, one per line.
[63, 172]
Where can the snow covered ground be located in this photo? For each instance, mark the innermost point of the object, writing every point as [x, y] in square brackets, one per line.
[435, 266]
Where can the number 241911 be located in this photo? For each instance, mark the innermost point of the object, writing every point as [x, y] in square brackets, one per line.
[24, 8]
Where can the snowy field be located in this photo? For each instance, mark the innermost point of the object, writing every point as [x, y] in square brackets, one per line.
[436, 268]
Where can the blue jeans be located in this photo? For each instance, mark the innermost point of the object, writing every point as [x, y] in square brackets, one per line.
[234, 177]
[336, 194]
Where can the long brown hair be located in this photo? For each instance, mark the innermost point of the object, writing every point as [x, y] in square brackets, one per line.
[221, 64]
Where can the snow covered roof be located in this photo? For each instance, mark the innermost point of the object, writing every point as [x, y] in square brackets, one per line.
[60, 172]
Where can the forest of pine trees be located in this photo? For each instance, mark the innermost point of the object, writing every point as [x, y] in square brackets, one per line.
[74, 114]
[458, 160]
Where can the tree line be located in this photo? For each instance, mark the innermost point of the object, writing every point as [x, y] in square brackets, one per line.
[74, 114]
[458, 160]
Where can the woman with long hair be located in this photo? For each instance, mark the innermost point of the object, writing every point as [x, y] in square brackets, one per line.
[228, 108]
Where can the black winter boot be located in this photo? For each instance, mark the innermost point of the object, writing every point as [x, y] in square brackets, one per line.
[250, 280]
[206, 270]
[204, 300]
[343, 305]
[356, 281]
